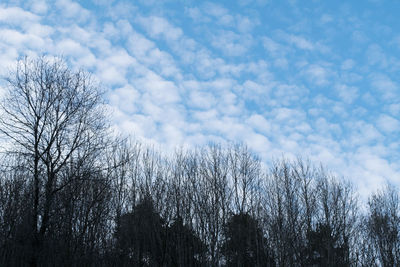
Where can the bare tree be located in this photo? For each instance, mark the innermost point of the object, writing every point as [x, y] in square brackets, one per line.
[54, 118]
[244, 170]
[283, 209]
[334, 234]
[383, 227]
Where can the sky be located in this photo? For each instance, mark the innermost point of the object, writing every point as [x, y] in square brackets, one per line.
[316, 79]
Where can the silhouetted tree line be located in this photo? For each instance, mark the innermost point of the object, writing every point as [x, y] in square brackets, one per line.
[73, 195]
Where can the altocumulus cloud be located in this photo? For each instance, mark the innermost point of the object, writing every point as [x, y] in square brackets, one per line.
[280, 77]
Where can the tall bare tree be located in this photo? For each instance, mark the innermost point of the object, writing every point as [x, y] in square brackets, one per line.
[54, 118]
[383, 227]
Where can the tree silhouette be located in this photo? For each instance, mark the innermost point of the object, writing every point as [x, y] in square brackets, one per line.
[140, 236]
[54, 119]
[184, 246]
[383, 226]
[244, 243]
[324, 249]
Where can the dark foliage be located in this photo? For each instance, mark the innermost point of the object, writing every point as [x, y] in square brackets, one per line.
[140, 237]
[184, 247]
[325, 249]
[244, 242]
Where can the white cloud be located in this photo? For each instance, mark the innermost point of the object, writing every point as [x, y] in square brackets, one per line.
[158, 90]
[259, 123]
[39, 6]
[194, 13]
[71, 47]
[394, 109]
[374, 170]
[348, 64]
[327, 129]
[125, 98]
[208, 115]
[299, 42]
[289, 94]
[288, 116]
[202, 100]
[40, 30]
[139, 45]
[272, 46]
[317, 74]
[223, 77]
[388, 124]
[8, 55]
[253, 90]
[159, 27]
[282, 63]
[385, 86]
[21, 40]
[347, 93]
[217, 11]
[232, 44]
[16, 16]
[245, 24]
[73, 10]
[375, 55]
[362, 134]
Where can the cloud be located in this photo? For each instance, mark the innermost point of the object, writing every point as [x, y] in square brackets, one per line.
[195, 14]
[259, 123]
[126, 98]
[388, 124]
[220, 13]
[297, 40]
[375, 55]
[16, 16]
[71, 9]
[347, 64]
[232, 44]
[158, 27]
[158, 90]
[39, 6]
[289, 95]
[317, 74]
[215, 13]
[272, 46]
[245, 24]
[347, 93]
[394, 109]
[386, 87]
[202, 100]
[22, 40]
[213, 72]
[362, 134]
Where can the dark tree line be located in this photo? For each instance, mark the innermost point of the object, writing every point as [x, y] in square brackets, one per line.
[73, 195]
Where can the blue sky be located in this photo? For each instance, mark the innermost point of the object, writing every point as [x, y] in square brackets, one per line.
[318, 79]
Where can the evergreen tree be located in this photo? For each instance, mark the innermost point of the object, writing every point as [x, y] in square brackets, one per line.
[244, 242]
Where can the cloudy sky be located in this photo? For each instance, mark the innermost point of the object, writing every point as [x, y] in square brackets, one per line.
[313, 78]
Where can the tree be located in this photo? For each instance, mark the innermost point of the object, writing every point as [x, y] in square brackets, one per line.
[336, 221]
[245, 243]
[184, 247]
[324, 248]
[140, 236]
[285, 220]
[54, 118]
[14, 227]
[383, 226]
